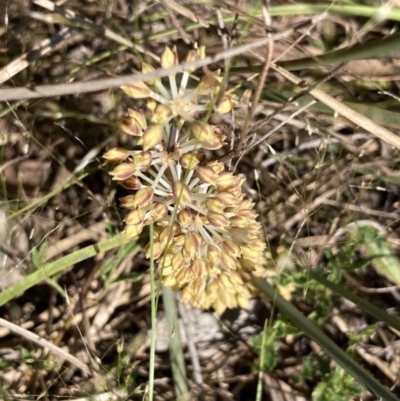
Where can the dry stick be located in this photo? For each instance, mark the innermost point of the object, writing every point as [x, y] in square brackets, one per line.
[44, 343]
[352, 115]
[24, 60]
[107, 83]
[263, 77]
[257, 95]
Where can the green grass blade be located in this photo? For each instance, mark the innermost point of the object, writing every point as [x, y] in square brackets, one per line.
[177, 358]
[154, 296]
[385, 47]
[324, 342]
[362, 303]
[357, 10]
[50, 269]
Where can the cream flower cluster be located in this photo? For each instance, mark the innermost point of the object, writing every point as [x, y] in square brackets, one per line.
[207, 240]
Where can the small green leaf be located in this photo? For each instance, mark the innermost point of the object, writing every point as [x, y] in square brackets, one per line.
[381, 253]
[39, 254]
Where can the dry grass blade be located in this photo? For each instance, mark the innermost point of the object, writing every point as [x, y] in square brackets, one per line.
[44, 343]
[357, 118]
[23, 61]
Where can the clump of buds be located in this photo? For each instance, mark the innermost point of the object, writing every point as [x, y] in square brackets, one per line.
[207, 240]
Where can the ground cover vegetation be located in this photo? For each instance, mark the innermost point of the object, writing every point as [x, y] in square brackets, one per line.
[199, 200]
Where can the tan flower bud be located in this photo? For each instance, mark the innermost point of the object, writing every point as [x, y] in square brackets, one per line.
[231, 249]
[169, 233]
[225, 179]
[149, 68]
[139, 117]
[199, 268]
[192, 244]
[206, 174]
[178, 261]
[227, 198]
[213, 255]
[132, 182]
[208, 85]
[189, 161]
[183, 276]
[205, 134]
[170, 281]
[130, 126]
[152, 136]
[219, 306]
[235, 279]
[257, 245]
[213, 270]
[248, 214]
[157, 250]
[226, 104]
[217, 166]
[123, 171]
[245, 99]
[198, 285]
[179, 241]
[166, 271]
[162, 114]
[228, 261]
[195, 54]
[250, 253]
[166, 263]
[159, 211]
[116, 155]
[151, 105]
[169, 58]
[135, 217]
[224, 280]
[181, 193]
[137, 90]
[217, 219]
[142, 161]
[185, 218]
[213, 204]
[246, 204]
[143, 197]
[128, 202]
[133, 231]
[243, 302]
[239, 221]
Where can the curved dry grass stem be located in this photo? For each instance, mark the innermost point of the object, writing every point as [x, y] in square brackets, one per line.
[47, 344]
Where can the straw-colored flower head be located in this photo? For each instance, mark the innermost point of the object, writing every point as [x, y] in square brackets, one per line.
[207, 240]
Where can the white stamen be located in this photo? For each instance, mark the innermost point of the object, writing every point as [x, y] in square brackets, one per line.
[185, 77]
[163, 91]
[172, 84]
